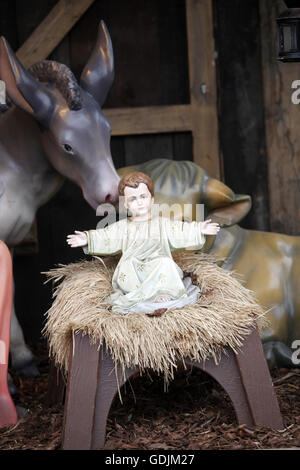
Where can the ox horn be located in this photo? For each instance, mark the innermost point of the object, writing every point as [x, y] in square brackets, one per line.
[225, 207]
[217, 194]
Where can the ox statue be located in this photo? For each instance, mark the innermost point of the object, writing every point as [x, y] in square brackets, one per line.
[55, 129]
[268, 262]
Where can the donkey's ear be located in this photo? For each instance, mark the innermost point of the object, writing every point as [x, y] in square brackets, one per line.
[10, 74]
[22, 88]
[98, 73]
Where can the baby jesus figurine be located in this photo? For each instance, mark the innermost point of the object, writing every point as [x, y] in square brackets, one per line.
[146, 279]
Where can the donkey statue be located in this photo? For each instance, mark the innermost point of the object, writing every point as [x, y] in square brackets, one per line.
[56, 130]
[268, 262]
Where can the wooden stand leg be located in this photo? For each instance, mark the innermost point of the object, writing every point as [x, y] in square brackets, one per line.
[80, 395]
[246, 379]
[109, 380]
[92, 384]
[56, 386]
[258, 384]
[227, 374]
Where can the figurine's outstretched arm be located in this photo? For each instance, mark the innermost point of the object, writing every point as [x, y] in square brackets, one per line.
[210, 228]
[78, 239]
[103, 241]
[189, 234]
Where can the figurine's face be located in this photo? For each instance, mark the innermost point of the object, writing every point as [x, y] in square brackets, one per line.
[138, 201]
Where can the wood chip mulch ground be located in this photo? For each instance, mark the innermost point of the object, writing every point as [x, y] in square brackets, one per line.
[194, 414]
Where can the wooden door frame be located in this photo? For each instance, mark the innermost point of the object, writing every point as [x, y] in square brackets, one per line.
[200, 116]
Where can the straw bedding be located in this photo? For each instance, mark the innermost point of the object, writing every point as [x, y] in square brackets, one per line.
[225, 312]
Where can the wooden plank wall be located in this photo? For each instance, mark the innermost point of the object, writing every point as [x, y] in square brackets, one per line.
[52, 29]
[257, 123]
[282, 119]
[151, 70]
[241, 113]
[151, 67]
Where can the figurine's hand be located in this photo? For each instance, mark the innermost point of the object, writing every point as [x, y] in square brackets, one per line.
[77, 239]
[210, 228]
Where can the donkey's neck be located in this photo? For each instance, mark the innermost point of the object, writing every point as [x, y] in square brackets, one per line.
[23, 154]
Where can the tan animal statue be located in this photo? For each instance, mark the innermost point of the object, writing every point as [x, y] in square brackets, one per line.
[268, 262]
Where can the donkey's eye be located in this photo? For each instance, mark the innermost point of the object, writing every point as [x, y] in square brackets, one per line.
[68, 148]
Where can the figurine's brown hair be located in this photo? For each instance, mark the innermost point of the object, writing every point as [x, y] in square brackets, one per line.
[133, 179]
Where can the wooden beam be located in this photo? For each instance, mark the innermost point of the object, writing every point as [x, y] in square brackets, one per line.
[52, 30]
[203, 90]
[149, 119]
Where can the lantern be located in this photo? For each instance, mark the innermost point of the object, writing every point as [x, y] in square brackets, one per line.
[288, 30]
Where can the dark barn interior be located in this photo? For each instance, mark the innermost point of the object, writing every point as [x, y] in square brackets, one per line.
[151, 70]
[239, 125]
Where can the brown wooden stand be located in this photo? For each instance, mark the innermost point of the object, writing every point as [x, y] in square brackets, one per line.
[56, 386]
[93, 382]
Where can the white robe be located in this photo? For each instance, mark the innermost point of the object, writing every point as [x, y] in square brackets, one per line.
[146, 268]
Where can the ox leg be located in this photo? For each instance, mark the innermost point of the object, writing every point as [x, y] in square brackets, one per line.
[278, 354]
